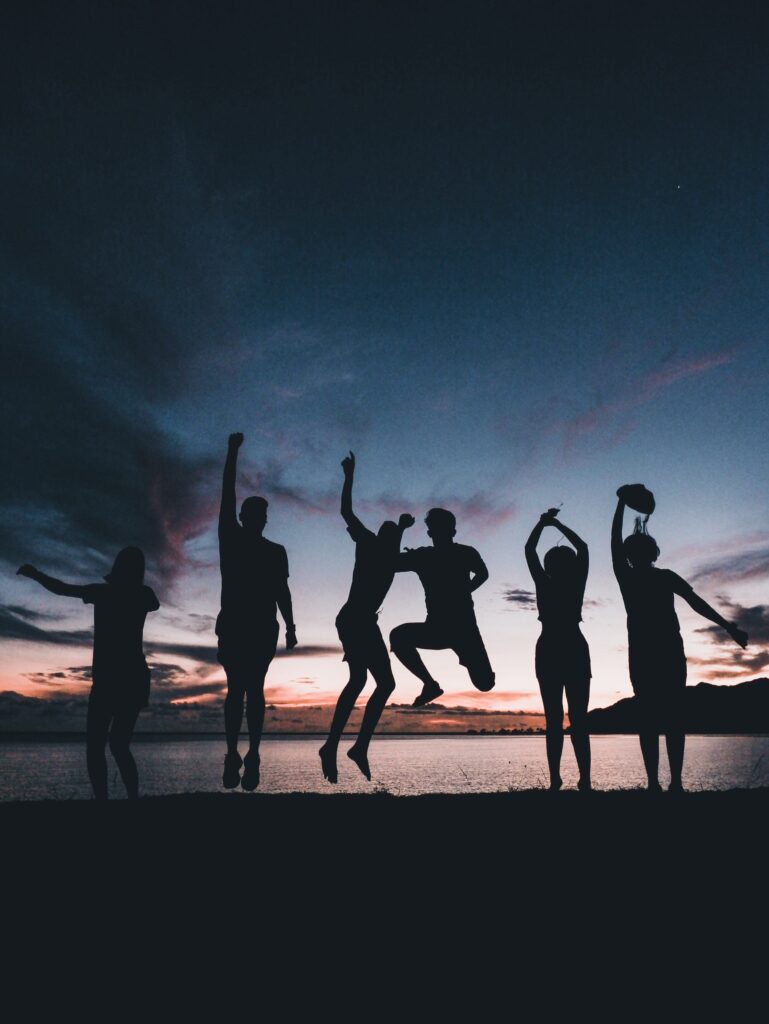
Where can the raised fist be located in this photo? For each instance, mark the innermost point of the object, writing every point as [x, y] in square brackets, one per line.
[235, 441]
[406, 520]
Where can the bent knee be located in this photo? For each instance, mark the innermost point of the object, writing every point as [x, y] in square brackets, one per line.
[398, 637]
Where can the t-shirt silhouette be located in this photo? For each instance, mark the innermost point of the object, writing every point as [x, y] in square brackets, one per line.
[559, 602]
[254, 571]
[119, 614]
[649, 601]
[445, 575]
[373, 573]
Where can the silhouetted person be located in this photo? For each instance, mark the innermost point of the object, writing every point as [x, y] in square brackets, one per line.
[655, 649]
[449, 573]
[254, 581]
[120, 676]
[356, 623]
[563, 658]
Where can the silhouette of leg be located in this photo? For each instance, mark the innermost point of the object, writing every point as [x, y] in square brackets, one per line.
[97, 730]
[404, 641]
[577, 696]
[233, 719]
[119, 743]
[255, 717]
[233, 711]
[552, 699]
[675, 741]
[342, 712]
[472, 654]
[648, 734]
[385, 685]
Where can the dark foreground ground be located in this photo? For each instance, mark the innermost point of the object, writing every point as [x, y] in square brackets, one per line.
[468, 886]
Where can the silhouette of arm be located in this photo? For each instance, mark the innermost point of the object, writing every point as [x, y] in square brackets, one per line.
[405, 520]
[51, 583]
[348, 465]
[283, 598]
[227, 514]
[708, 612]
[480, 573]
[618, 560]
[530, 549]
[407, 561]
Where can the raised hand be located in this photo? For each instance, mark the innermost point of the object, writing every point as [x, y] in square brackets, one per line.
[348, 464]
[406, 520]
[27, 570]
[549, 516]
[235, 441]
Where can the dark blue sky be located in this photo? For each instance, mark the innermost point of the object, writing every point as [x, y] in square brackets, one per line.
[512, 254]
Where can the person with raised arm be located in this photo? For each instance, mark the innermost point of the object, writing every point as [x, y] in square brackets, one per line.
[656, 657]
[120, 676]
[450, 573]
[358, 629]
[254, 581]
[563, 658]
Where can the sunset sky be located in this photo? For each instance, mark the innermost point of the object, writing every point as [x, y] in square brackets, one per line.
[511, 254]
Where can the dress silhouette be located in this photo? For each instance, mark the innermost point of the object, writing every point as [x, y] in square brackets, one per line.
[120, 676]
[254, 580]
[356, 623]
[656, 656]
[563, 658]
[449, 573]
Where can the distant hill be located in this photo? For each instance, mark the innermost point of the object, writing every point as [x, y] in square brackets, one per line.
[741, 708]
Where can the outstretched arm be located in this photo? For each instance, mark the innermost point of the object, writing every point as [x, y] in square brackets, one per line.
[618, 560]
[707, 612]
[51, 583]
[227, 514]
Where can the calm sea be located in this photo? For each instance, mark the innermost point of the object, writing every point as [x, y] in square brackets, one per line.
[401, 765]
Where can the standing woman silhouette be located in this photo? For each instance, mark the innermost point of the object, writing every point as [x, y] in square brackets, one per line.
[563, 657]
[121, 678]
[656, 657]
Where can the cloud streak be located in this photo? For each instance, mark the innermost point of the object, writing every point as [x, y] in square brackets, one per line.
[732, 662]
[645, 390]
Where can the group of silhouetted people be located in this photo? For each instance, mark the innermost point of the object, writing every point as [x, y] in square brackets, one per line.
[255, 587]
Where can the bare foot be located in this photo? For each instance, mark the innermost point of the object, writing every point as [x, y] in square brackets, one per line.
[430, 691]
[360, 757]
[328, 763]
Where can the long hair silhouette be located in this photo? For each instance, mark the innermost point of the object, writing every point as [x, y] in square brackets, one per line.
[562, 661]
